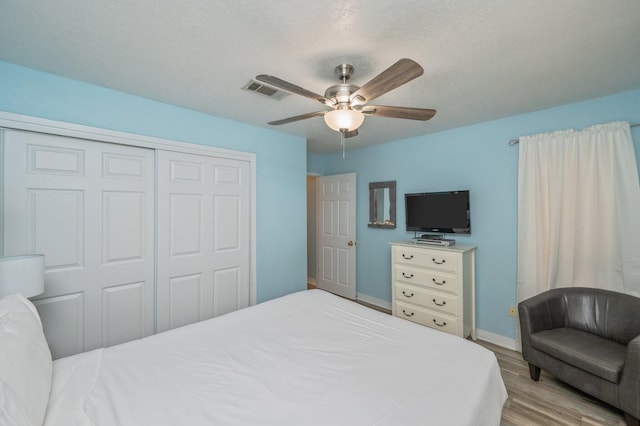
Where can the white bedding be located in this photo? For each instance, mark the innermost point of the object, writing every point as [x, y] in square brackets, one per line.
[307, 358]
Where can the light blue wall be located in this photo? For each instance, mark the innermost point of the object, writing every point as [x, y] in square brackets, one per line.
[477, 158]
[280, 158]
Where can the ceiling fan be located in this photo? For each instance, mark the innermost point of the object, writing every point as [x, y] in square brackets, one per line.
[349, 103]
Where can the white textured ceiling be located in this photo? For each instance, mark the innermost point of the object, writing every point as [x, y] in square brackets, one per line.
[483, 59]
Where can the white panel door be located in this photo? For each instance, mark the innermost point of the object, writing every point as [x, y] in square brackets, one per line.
[203, 239]
[336, 236]
[89, 208]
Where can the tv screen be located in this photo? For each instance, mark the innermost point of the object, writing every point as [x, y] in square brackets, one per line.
[441, 212]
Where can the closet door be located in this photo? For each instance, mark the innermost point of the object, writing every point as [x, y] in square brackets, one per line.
[89, 208]
[203, 237]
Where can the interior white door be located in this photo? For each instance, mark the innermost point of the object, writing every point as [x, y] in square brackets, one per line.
[89, 208]
[336, 236]
[203, 238]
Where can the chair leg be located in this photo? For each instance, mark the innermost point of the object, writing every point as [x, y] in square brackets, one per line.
[631, 421]
[534, 372]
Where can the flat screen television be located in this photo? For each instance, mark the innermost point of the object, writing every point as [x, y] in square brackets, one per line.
[440, 212]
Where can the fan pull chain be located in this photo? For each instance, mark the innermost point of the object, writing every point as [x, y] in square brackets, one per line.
[342, 132]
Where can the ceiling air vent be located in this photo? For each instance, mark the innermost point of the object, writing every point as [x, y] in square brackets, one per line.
[268, 91]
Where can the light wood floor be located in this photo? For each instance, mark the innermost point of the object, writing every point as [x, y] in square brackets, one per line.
[549, 401]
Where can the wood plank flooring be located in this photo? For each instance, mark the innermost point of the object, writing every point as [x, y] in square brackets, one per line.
[549, 401]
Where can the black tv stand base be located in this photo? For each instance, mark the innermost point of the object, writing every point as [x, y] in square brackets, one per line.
[431, 237]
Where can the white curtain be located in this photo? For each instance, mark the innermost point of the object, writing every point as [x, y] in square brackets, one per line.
[578, 211]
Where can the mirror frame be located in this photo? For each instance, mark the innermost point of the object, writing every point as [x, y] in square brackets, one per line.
[391, 184]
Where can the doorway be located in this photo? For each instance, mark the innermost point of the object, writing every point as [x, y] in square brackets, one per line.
[311, 230]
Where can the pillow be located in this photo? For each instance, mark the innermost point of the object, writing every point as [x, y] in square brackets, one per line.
[12, 412]
[25, 363]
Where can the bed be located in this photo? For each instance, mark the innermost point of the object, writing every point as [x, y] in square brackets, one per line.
[309, 358]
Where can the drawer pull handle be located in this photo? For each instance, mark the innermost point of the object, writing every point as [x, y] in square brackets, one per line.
[404, 256]
[407, 295]
[439, 304]
[439, 325]
[408, 314]
[439, 263]
[443, 282]
[407, 276]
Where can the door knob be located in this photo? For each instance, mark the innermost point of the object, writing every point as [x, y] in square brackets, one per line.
[351, 243]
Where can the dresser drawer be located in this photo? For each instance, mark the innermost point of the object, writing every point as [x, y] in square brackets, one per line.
[432, 259]
[427, 317]
[427, 278]
[436, 300]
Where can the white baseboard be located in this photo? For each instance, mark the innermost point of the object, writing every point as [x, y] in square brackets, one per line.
[497, 339]
[373, 301]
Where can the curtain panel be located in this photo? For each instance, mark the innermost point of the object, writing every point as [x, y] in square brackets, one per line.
[578, 211]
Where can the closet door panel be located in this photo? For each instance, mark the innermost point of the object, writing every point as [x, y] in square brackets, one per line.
[89, 208]
[124, 227]
[186, 224]
[185, 295]
[55, 160]
[231, 236]
[227, 291]
[227, 219]
[55, 225]
[118, 165]
[123, 313]
[63, 323]
[204, 203]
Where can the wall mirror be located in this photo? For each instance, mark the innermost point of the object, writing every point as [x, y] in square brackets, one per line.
[382, 204]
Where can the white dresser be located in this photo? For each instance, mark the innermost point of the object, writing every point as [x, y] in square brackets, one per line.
[434, 286]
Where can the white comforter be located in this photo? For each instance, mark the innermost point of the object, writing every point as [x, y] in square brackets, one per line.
[309, 358]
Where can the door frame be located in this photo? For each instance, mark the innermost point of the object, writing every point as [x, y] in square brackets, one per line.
[61, 128]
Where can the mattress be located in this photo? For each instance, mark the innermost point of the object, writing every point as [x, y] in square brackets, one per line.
[309, 358]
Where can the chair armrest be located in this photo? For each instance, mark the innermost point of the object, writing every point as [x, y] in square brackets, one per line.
[629, 387]
[542, 312]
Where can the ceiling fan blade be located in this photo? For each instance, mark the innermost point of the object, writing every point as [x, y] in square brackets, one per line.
[292, 88]
[351, 133]
[399, 112]
[396, 75]
[297, 118]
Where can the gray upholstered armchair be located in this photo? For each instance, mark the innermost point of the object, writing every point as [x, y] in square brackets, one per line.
[588, 338]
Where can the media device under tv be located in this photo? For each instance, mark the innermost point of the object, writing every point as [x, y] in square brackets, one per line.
[438, 212]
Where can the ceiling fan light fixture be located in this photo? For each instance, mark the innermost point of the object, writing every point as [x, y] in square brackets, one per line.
[341, 119]
[350, 103]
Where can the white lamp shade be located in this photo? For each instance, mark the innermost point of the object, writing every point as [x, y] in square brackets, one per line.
[341, 119]
[22, 274]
